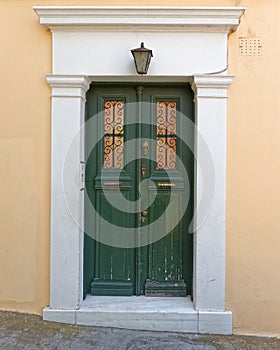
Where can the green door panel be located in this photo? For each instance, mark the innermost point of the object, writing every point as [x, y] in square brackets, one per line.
[164, 266]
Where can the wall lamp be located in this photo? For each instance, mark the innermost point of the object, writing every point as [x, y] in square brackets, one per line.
[142, 58]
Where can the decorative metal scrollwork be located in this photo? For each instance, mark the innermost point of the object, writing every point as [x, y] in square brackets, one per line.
[166, 135]
[113, 134]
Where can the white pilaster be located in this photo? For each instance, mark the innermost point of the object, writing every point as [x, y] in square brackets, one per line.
[68, 102]
[210, 185]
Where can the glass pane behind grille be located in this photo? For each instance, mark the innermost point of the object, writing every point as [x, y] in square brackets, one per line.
[113, 134]
[166, 135]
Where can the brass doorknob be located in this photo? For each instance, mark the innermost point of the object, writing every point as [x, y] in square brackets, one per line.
[144, 213]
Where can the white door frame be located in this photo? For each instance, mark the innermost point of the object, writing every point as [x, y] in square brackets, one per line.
[92, 44]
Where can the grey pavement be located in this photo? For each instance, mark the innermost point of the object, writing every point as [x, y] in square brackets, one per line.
[22, 331]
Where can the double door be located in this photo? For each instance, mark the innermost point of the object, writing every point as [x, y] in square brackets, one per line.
[139, 206]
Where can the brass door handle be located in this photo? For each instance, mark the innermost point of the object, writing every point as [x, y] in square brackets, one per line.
[144, 213]
[112, 183]
[166, 184]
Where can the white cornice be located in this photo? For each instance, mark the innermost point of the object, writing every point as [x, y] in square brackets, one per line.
[182, 18]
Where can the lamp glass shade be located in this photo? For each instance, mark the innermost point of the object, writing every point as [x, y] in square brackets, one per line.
[142, 58]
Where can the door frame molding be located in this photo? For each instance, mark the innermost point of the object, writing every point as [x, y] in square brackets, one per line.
[84, 29]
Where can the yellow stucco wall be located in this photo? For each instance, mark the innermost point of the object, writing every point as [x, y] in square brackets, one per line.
[253, 228]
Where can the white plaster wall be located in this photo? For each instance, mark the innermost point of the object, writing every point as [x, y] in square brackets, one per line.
[108, 53]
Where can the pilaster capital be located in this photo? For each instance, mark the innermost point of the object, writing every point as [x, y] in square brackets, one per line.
[68, 85]
[211, 85]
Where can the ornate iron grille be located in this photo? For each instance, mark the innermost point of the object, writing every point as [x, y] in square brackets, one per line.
[166, 135]
[113, 134]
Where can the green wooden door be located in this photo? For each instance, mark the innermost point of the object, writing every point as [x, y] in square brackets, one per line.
[139, 174]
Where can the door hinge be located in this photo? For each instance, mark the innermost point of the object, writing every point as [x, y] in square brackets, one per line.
[82, 176]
